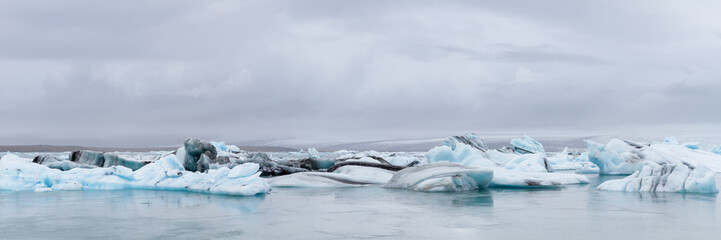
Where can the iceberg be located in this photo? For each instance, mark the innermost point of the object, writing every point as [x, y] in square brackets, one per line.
[274, 168]
[470, 139]
[460, 153]
[220, 146]
[441, 176]
[89, 159]
[350, 172]
[622, 157]
[346, 176]
[508, 178]
[313, 153]
[168, 173]
[527, 145]
[653, 177]
[56, 163]
[467, 155]
[529, 163]
[510, 169]
[197, 154]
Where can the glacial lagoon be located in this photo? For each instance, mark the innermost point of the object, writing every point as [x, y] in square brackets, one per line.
[568, 212]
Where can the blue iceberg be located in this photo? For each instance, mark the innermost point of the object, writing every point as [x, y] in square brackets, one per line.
[168, 173]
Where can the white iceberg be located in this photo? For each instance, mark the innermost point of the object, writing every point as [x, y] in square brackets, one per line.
[566, 161]
[508, 178]
[441, 176]
[665, 178]
[470, 139]
[168, 173]
[313, 153]
[510, 169]
[460, 153]
[619, 157]
[528, 163]
[527, 145]
[346, 176]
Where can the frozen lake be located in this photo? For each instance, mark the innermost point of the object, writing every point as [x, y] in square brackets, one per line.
[572, 212]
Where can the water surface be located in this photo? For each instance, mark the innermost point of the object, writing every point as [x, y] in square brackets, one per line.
[573, 212]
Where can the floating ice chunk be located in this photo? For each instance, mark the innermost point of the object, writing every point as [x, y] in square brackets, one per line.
[588, 168]
[233, 149]
[612, 159]
[89, 159]
[12, 157]
[313, 154]
[363, 159]
[274, 168]
[462, 154]
[402, 160]
[506, 178]
[665, 178]
[441, 176]
[565, 161]
[192, 152]
[378, 175]
[500, 158]
[244, 170]
[616, 157]
[701, 180]
[528, 163]
[115, 160]
[346, 176]
[470, 139]
[527, 145]
[466, 155]
[220, 146]
[165, 174]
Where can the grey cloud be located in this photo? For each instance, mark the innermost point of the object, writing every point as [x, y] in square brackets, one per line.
[129, 74]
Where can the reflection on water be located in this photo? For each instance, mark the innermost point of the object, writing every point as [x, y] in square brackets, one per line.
[124, 213]
[572, 212]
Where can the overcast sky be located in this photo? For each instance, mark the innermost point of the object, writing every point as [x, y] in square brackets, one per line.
[131, 73]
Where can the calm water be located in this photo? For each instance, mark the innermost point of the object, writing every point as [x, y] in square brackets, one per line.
[575, 212]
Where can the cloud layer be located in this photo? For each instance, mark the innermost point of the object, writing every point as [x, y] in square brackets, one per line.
[134, 74]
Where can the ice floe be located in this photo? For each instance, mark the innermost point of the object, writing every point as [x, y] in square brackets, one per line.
[168, 173]
[347, 176]
[665, 178]
[528, 166]
[527, 144]
[510, 178]
[622, 157]
[441, 176]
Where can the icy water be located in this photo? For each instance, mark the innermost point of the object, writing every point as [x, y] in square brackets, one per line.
[573, 212]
